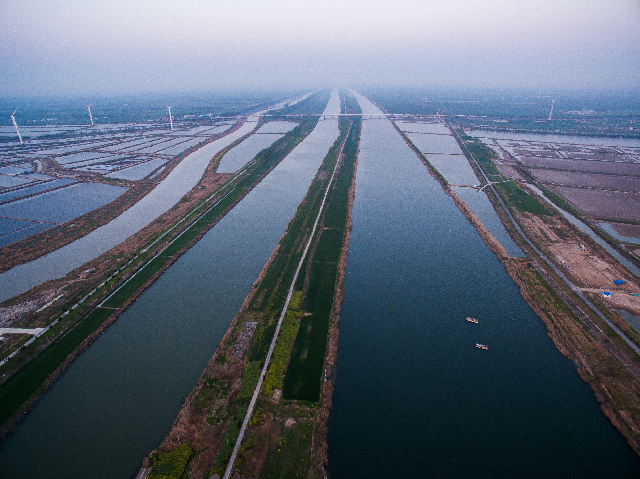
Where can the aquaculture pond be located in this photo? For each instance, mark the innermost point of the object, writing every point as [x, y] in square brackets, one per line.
[63, 204]
[168, 192]
[414, 396]
[117, 401]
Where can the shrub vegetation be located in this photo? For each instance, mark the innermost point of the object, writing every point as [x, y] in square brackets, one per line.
[170, 465]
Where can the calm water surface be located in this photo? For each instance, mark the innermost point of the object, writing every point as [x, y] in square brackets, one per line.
[118, 400]
[413, 396]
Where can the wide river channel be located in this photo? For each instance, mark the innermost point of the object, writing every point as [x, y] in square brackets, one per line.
[116, 402]
[413, 395]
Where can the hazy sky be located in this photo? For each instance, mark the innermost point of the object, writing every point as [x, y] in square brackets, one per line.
[103, 47]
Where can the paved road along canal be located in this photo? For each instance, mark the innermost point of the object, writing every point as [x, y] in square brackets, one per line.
[119, 398]
[413, 395]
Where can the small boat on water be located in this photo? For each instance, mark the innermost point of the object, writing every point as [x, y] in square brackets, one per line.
[472, 320]
[482, 346]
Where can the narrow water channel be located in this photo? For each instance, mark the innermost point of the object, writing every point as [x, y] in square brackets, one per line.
[117, 401]
[413, 395]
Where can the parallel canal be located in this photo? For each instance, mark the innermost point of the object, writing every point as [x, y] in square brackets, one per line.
[413, 396]
[118, 400]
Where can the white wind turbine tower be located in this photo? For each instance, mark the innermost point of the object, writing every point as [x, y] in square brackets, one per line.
[551, 112]
[170, 119]
[15, 125]
[89, 108]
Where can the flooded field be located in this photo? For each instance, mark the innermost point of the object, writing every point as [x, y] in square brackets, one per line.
[52, 208]
[138, 172]
[62, 204]
[166, 194]
[130, 152]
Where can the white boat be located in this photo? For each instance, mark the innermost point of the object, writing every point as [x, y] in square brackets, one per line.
[472, 320]
[482, 346]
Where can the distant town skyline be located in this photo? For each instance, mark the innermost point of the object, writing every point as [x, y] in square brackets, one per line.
[68, 46]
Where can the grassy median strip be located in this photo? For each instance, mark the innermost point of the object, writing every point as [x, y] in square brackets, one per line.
[305, 372]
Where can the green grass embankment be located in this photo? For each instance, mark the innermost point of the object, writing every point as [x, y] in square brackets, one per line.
[170, 465]
[305, 372]
[522, 200]
[273, 289]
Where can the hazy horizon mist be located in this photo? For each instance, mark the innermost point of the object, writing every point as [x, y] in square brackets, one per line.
[120, 47]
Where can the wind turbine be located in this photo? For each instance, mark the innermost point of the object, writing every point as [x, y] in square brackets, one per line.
[551, 112]
[15, 125]
[89, 108]
[170, 119]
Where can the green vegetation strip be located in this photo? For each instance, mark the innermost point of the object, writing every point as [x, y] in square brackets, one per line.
[288, 332]
[25, 383]
[228, 443]
[305, 371]
[250, 378]
[521, 199]
[170, 465]
[300, 234]
[508, 189]
[483, 156]
[285, 460]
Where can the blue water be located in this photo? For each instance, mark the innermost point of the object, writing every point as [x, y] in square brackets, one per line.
[413, 395]
[31, 190]
[119, 398]
[63, 204]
